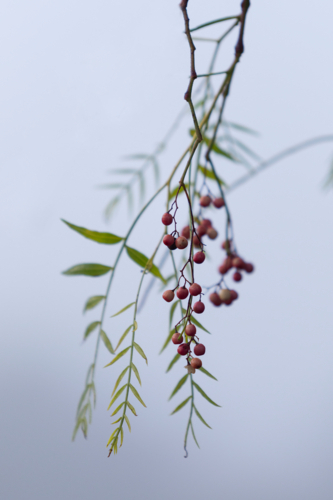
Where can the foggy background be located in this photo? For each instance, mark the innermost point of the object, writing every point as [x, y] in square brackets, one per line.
[84, 83]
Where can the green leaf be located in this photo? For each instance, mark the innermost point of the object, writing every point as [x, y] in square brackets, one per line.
[110, 207]
[179, 407]
[91, 328]
[128, 422]
[121, 436]
[200, 417]
[123, 309]
[210, 175]
[93, 302]
[117, 409]
[116, 396]
[134, 368]
[178, 386]
[119, 379]
[116, 421]
[105, 238]
[131, 407]
[206, 372]
[196, 322]
[167, 340]
[120, 355]
[140, 351]
[241, 128]
[204, 394]
[107, 342]
[87, 270]
[143, 261]
[82, 398]
[123, 336]
[110, 438]
[172, 312]
[137, 395]
[173, 361]
[195, 439]
[215, 147]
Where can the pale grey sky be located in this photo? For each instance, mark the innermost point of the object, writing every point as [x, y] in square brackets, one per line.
[82, 84]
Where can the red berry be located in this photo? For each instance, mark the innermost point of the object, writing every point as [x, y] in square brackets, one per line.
[183, 349]
[249, 268]
[190, 330]
[186, 232]
[201, 230]
[218, 202]
[228, 302]
[196, 363]
[233, 294]
[182, 293]
[168, 240]
[225, 294]
[212, 233]
[168, 295]
[199, 257]
[226, 245]
[238, 263]
[199, 307]
[205, 201]
[215, 299]
[237, 276]
[199, 349]
[226, 265]
[181, 242]
[167, 219]
[206, 222]
[195, 289]
[177, 338]
[196, 241]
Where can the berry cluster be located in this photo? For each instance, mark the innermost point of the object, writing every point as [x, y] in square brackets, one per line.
[232, 260]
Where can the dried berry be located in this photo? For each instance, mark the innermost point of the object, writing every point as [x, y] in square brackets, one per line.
[218, 202]
[224, 294]
[167, 219]
[183, 349]
[199, 350]
[199, 307]
[182, 293]
[205, 201]
[196, 363]
[215, 299]
[199, 257]
[177, 338]
[190, 330]
[195, 289]
[181, 242]
[168, 295]
[168, 240]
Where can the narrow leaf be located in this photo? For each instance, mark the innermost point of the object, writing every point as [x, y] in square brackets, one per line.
[179, 407]
[206, 372]
[106, 238]
[87, 270]
[140, 351]
[195, 439]
[123, 336]
[241, 128]
[172, 312]
[210, 175]
[178, 386]
[215, 147]
[116, 396]
[143, 261]
[123, 309]
[137, 395]
[120, 355]
[107, 342]
[117, 409]
[82, 398]
[128, 422]
[93, 302]
[110, 438]
[167, 340]
[91, 328]
[121, 436]
[110, 207]
[119, 379]
[204, 394]
[173, 361]
[131, 407]
[200, 417]
[134, 368]
[116, 421]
